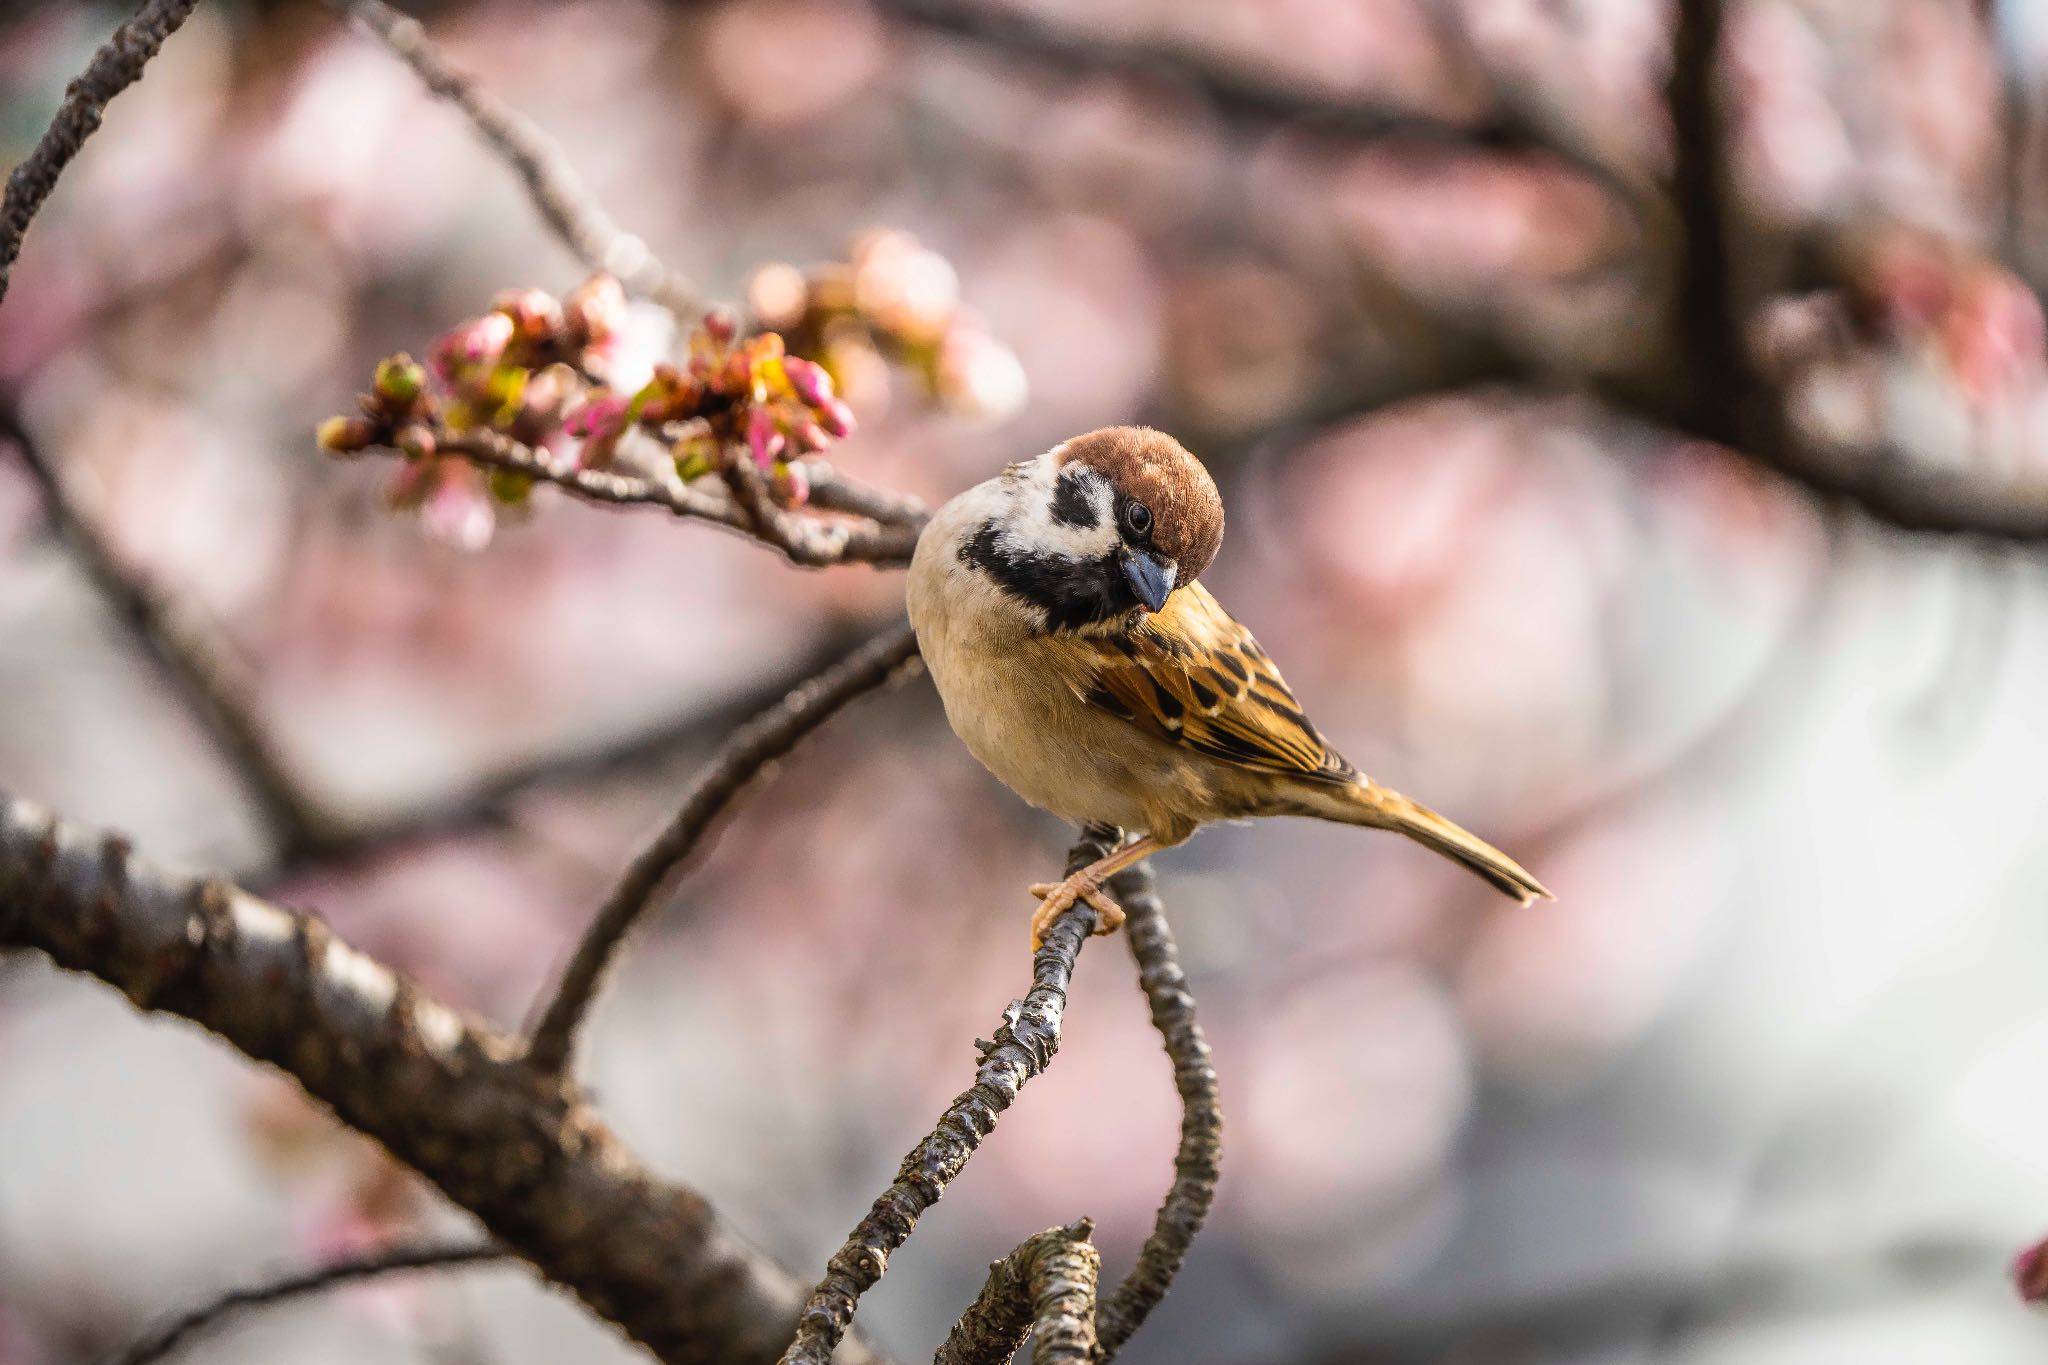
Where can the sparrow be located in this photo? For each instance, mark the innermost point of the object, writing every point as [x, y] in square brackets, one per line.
[1059, 610]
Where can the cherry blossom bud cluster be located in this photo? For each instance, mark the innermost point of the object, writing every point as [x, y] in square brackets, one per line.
[541, 371]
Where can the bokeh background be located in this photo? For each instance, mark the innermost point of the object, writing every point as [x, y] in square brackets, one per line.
[1768, 1083]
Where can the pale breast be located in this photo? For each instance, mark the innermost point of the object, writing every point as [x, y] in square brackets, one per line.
[1007, 698]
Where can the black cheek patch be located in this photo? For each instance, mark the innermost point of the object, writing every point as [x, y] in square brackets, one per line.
[1071, 593]
[1071, 505]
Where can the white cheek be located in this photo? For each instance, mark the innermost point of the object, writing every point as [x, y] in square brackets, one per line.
[1032, 525]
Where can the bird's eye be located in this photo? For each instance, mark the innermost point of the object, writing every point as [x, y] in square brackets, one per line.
[1138, 517]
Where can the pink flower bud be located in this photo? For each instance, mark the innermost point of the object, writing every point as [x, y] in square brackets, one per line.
[836, 417]
[600, 413]
[763, 438]
[809, 438]
[720, 325]
[695, 456]
[809, 380]
[534, 313]
[346, 435]
[792, 485]
[416, 441]
[547, 391]
[596, 309]
[398, 380]
[474, 345]
[2030, 1273]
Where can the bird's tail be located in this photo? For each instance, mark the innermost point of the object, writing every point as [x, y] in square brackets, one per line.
[1366, 802]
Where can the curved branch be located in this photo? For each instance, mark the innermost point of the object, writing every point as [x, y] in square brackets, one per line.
[443, 1093]
[184, 656]
[169, 1338]
[1196, 1165]
[563, 200]
[116, 66]
[1023, 1047]
[752, 748]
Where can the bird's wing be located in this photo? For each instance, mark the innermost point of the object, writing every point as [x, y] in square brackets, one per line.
[1191, 675]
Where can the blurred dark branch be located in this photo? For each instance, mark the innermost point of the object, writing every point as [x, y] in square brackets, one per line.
[116, 66]
[1196, 1164]
[562, 199]
[750, 752]
[1732, 401]
[810, 541]
[183, 653]
[1724, 385]
[172, 1336]
[442, 1092]
[487, 804]
[1246, 99]
[994, 1327]
[1022, 1048]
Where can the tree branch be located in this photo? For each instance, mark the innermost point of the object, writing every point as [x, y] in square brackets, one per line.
[808, 541]
[1250, 100]
[551, 182]
[116, 66]
[488, 802]
[1048, 1283]
[184, 655]
[1196, 1164]
[1724, 382]
[443, 1093]
[172, 1336]
[1063, 1280]
[1023, 1047]
[752, 748]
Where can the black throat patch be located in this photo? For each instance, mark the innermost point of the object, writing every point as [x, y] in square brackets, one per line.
[1072, 593]
[1071, 505]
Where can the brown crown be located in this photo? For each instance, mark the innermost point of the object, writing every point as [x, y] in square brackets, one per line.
[1155, 469]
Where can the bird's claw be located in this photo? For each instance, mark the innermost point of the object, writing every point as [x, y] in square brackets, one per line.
[1056, 897]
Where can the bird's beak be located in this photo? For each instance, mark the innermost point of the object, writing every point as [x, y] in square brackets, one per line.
[1150, 578]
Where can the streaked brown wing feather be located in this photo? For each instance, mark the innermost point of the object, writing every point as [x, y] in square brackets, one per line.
[1191, 675]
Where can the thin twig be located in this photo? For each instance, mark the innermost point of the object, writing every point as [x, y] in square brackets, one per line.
[1196, 1164]
[116, 66]
[810, 541]
[370, 1265]
[183, 654]
[1022, 1048]
[752, 748]
[488, 803]
[551, 182]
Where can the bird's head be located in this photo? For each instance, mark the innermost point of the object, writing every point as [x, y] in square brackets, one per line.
[1100, 526]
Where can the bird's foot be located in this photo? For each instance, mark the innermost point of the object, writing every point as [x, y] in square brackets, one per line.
[1056, 897]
